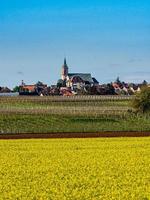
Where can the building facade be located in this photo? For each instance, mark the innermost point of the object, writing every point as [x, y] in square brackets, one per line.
[76, 80]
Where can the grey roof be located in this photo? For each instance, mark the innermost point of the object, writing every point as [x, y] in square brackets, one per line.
[84, 76]
[95, 80]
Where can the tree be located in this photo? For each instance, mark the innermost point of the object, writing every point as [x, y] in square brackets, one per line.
[61, 83]
[118, 80]
[144, 83]
[110, 89]
[16, 89]
[39, 83]
[142, 101]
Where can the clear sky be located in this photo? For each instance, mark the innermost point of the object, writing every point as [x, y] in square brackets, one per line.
[108, 38]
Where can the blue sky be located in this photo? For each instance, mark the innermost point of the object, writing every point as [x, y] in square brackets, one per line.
[108, 38]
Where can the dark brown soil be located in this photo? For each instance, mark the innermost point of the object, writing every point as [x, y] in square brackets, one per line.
[74, 135]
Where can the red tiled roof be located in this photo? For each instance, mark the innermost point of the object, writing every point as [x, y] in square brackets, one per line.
[29, 87]
[115, 85]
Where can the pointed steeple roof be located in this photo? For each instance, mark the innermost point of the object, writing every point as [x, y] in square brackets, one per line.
[65, 62]
[64, 72]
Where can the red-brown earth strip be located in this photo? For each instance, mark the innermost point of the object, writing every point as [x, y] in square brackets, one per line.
[74, 135]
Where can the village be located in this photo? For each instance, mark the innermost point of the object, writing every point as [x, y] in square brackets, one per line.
[71, 84]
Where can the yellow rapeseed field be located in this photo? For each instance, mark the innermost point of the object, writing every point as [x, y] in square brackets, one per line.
[75, 169]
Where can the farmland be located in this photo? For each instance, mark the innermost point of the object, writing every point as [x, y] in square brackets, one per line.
[69, 114]
[99, 169]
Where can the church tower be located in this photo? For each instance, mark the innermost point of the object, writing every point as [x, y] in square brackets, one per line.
[64, 72]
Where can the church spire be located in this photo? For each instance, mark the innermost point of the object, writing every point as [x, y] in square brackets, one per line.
[65, 62]
[64, 72]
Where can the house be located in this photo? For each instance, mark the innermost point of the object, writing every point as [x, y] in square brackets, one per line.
[96, 83]
[37, 89]
[28, 90]
[5, 90]
[76, 80]
[117, 88]
[66, 91]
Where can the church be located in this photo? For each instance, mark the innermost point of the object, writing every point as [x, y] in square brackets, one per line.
[76, 80]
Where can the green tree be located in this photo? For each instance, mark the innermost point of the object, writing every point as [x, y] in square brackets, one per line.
[142, 100]
[61, 83]
[16, 89]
